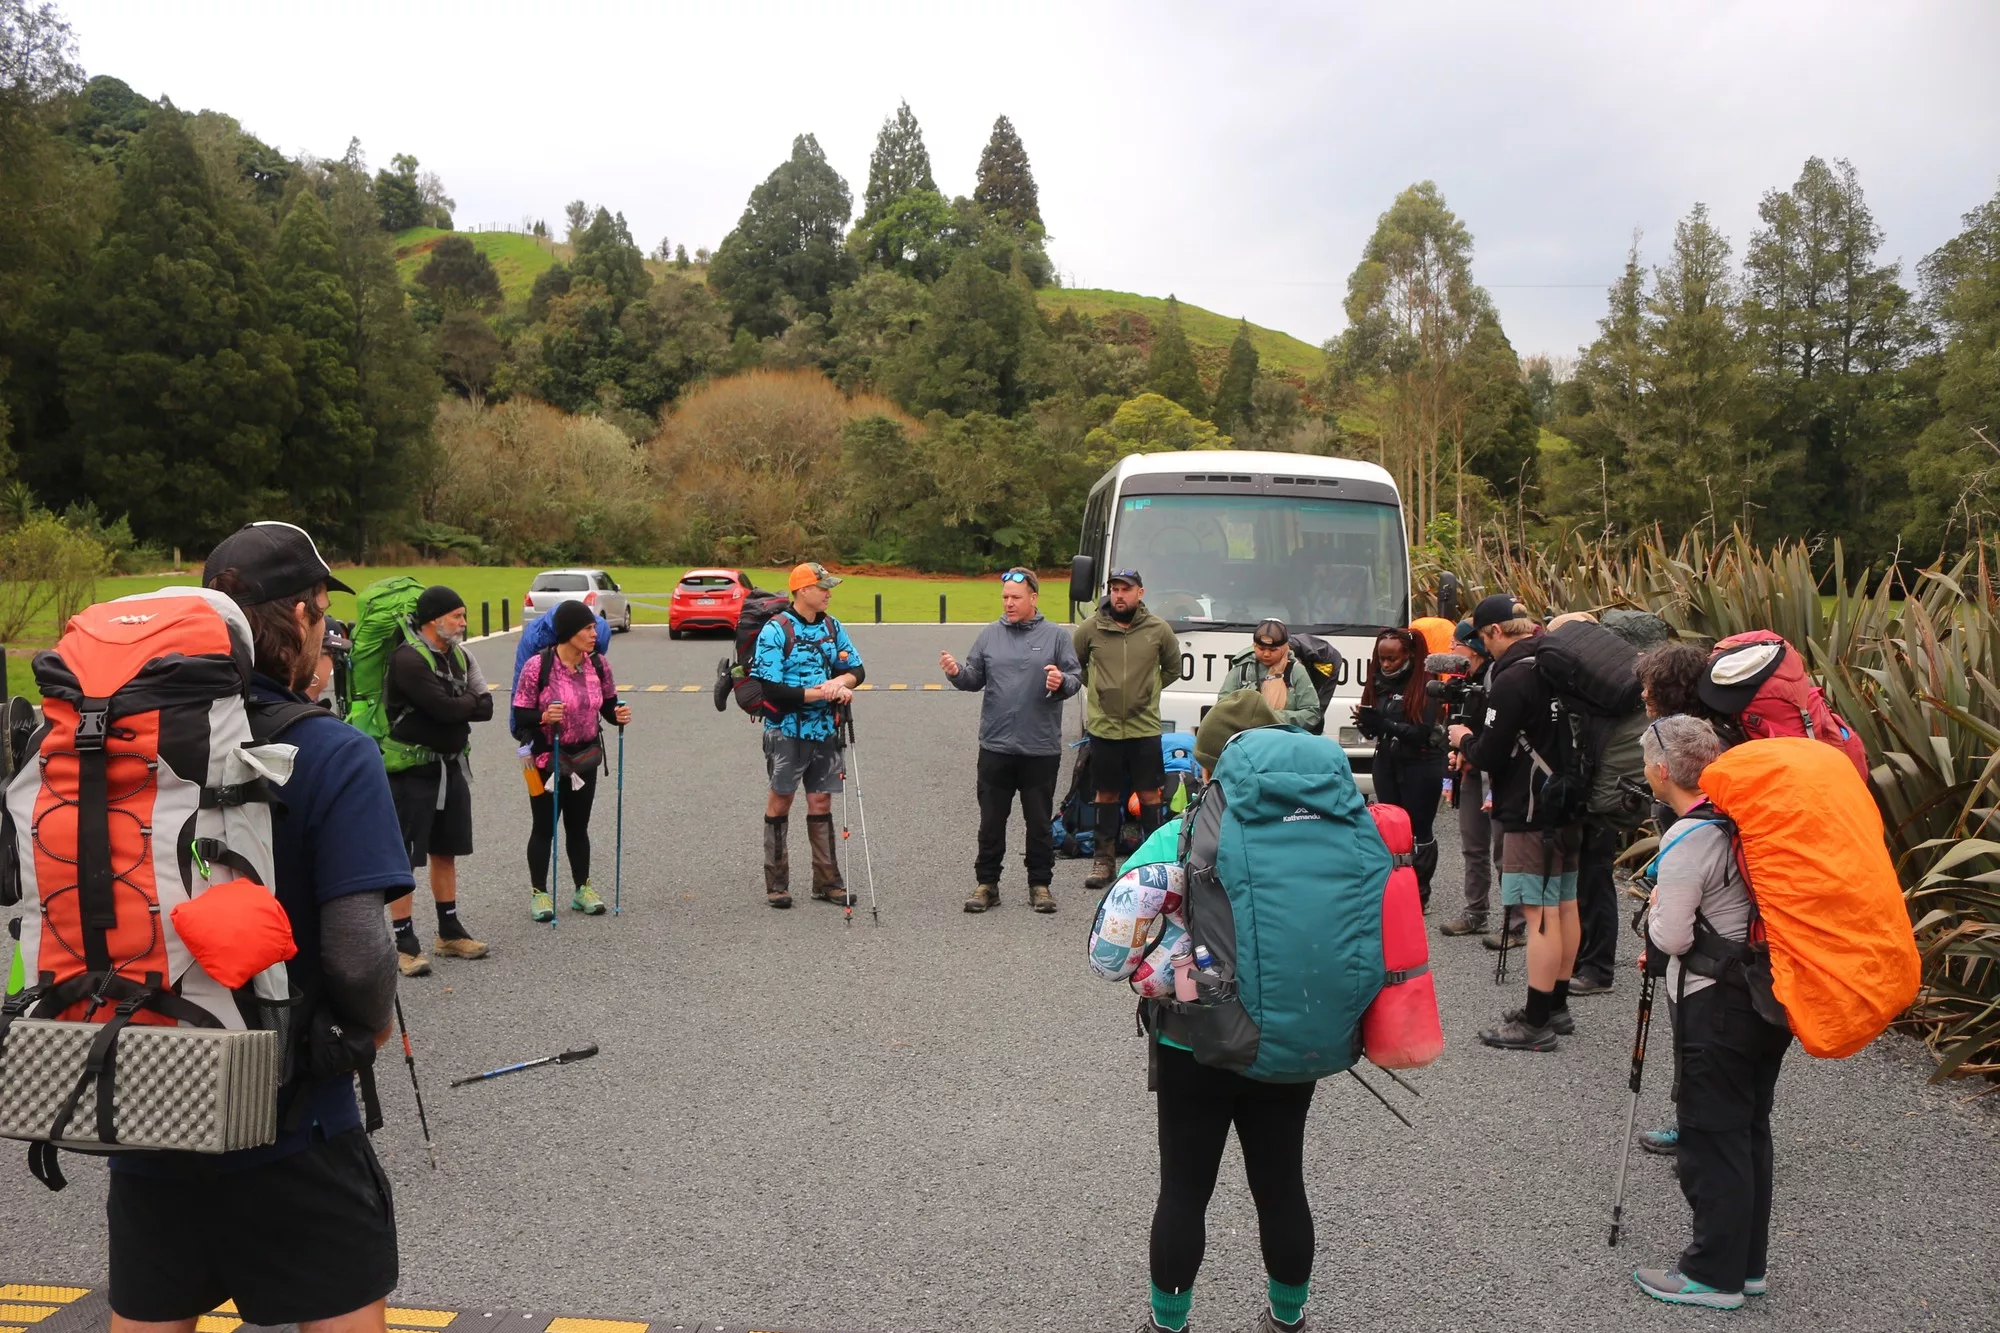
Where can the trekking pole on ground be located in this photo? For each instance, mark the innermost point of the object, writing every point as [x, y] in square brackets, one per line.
[567, 1057]
[1379, 1097]
[618, 854]
[1632, 1108]
[410, 1059]
[861, 808]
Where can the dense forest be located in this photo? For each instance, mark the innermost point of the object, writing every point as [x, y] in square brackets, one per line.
[196, 329]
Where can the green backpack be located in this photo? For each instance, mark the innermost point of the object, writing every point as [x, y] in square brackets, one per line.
[1285, 873]
[383, 626]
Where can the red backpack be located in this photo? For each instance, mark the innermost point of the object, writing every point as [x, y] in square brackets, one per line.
[1760, 680]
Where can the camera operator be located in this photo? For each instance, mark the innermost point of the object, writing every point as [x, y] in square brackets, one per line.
[1405, 720]
[1538, 863]
[1478, 837]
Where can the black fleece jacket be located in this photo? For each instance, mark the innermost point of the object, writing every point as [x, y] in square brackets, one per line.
[436, 708]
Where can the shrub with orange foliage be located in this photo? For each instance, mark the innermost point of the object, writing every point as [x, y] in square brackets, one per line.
[749, 469]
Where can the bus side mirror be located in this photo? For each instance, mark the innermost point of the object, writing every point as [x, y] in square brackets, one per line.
[1447, 607]
[1082, 579]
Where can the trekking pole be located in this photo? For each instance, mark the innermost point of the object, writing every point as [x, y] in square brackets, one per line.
[567, 1057]
[1379, 1097]
[861, 808]
[410, 1059]
[1632, 1109]
[555, 822]
[618, 853]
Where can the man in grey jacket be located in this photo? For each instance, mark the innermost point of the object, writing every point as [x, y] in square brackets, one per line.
[1027, 667]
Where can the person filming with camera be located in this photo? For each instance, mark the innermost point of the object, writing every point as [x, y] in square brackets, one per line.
[1538, 858]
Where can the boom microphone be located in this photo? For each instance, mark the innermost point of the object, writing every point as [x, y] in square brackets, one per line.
[1446, 664]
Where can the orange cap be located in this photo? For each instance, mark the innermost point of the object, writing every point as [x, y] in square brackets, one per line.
[810, 573]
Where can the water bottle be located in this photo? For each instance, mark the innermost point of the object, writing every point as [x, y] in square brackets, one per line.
[1204, 962]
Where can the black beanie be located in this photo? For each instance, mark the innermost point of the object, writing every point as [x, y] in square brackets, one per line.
[571, 618]
[436, 600]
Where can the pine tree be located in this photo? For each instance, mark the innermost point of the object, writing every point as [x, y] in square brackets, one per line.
[1954, 469]
[1606, 400]
[177, 387]
[1170, 369]
[606, 253]
[459, 276]
[1006, 187]
[1233, 411]
[899, 165]
[786, 251]
[329, 439]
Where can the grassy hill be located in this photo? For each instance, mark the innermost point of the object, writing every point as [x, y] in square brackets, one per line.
[1209, 334]
[518, 259]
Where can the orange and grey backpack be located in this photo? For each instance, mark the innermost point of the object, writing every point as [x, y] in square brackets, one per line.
[137, 839]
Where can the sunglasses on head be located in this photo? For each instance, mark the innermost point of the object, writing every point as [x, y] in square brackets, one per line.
[1013, 576]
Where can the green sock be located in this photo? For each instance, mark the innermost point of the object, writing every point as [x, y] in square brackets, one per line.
[1170, 1309]
[1288, 1304]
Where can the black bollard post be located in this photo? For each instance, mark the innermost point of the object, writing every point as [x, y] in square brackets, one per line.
[940, 608]
[878, 608]
[485, 619]
[504, 626]
[5, 693]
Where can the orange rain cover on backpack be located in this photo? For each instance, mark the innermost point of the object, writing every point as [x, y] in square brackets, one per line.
[1436, 633]
[1843, 955]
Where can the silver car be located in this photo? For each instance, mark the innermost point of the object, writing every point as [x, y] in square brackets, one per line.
[593, 587]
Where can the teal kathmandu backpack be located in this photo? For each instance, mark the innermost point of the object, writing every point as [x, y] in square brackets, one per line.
[1285, 875]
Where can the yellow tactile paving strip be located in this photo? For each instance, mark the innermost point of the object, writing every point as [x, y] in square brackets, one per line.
[704, 689]
[405, 1318]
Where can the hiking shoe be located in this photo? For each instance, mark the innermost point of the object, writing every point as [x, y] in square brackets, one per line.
[1514, 1034]
[542, 907]
[461, 947]
[779, 899]
[1103, 869]
[1581, 984]
[1270, 1323]
[1463, 925]
[1560, 1022]
[1517, 940]
[1666, 1142]
[983, 897]
[836, 894]
[1040, 898]
[1151, 1327]
[413, 964]
[586, 901]
[1755, 1286]
[1677, 1288]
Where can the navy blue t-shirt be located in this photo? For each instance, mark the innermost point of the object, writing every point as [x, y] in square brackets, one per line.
[337, 835]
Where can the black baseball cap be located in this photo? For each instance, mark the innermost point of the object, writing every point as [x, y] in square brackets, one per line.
[1272, 633]
[274, 560]
[1498, 609]
[1465, 634]
[1130, 576]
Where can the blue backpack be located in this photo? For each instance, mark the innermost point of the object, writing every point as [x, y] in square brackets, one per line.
[1285, 875]
[539, 635]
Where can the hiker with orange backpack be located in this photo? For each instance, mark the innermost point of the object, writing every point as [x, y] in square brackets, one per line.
[188, 705]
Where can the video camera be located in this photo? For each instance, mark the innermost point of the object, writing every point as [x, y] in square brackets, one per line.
[1450, 681]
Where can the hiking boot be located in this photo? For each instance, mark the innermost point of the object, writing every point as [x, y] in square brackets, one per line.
[1466, 924]
[1149, 1326]
[413, 964]
[1270, 1323]
[463, 946]
[777, 861]
[1560, 1022]
[1103, 869]
[1584, 984]
[1514, 1034]
[1516, 939]
[983, 897]
[586, 901]
[1664, 1142]
[1041, 899]
[828, 886]
[1677, 1288]
[541, 906]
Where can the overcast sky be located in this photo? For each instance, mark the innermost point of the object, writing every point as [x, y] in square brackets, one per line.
[1237, 155]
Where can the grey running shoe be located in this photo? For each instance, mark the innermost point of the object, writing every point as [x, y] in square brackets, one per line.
[1514, 1034]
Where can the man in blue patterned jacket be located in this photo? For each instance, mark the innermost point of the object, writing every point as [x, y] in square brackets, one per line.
[809, 668]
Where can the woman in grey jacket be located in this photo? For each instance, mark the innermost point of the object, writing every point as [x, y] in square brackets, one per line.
[1026, 667]
[1270, 667]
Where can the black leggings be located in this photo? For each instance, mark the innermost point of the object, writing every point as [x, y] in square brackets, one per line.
[1197, 1105]
[1416, 783]
[576, 831]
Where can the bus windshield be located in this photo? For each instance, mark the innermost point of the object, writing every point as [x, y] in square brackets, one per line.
[1214, 561]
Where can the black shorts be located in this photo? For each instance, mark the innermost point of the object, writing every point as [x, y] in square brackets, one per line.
[1127, 766]
[427, 830]
[308, 1236]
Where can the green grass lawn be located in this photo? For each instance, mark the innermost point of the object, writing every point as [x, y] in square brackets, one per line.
[1204, 328]
[905, 599]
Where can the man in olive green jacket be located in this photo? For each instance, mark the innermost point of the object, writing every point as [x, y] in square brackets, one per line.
[1270, 668]
[1128, 656]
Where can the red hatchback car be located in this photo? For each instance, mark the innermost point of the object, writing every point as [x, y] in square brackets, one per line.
[707, 599]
